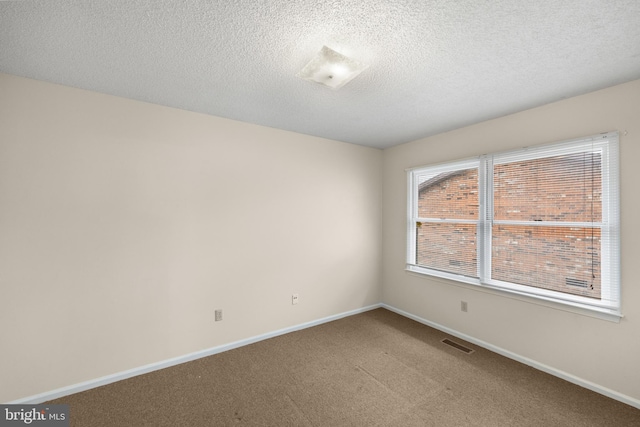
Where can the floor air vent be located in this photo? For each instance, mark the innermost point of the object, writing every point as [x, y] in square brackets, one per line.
[460, 347]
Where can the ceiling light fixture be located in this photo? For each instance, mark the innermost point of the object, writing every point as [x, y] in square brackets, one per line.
[331, 69]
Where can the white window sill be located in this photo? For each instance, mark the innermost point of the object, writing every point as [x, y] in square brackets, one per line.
[474, 284]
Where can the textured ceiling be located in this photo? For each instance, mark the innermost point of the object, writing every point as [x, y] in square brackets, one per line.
[434, 65]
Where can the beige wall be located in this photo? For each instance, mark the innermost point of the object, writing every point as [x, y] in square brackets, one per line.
[123, 225]
[594, 350]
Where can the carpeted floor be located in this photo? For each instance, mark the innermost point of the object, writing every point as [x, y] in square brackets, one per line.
[371, 369]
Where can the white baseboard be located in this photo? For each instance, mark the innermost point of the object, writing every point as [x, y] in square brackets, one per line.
[87, 385]
[108, 379]
[537, 365]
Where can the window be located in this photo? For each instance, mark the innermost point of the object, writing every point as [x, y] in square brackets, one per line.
[541, 222]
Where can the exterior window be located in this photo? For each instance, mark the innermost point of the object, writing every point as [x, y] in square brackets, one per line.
[541, 222]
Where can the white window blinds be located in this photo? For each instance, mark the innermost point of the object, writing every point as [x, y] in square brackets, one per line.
[542, 221]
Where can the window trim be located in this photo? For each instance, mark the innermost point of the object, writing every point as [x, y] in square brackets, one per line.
[610, 252]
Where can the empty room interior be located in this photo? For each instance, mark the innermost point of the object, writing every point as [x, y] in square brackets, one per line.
[179, 183]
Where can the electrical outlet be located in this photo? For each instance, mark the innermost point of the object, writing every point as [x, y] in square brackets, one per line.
[463, 306]
[294, 299]
[218, 315]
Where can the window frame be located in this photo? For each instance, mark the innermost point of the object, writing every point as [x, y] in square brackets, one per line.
[609, 306]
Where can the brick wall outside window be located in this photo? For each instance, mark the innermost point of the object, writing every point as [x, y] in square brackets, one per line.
[565, 259]
[449, 247]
